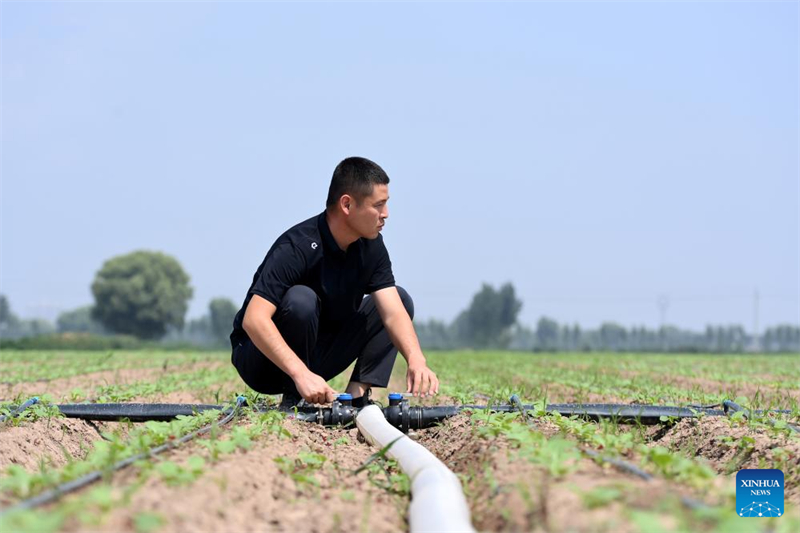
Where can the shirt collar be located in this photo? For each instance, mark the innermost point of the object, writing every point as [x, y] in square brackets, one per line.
[330, 244]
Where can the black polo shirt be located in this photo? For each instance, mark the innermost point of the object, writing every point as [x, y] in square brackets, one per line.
[307, 254]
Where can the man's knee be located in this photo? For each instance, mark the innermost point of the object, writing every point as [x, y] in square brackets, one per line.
[300, 303]
[408, 303]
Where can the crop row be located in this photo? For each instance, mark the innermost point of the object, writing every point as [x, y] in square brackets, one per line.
[558, 447]
[578, 378]
[22, 366]
[678, 379]
[125, 442]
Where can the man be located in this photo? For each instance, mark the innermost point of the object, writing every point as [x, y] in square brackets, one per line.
[306, 318]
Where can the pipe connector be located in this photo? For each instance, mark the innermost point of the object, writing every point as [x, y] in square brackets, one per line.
[341, 412]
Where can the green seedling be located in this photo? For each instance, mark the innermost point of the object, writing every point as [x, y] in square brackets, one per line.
[745, 446]
[76, 395]
[670, 420]
[492, 425]
[239, 438]
[97, 502]
[18, 481]
[380, 454]
[174, 474]
[147, 522]
[45, 409]
[600, 497]
[302, 468]
[558, 456]
[738, 418]
[396, 482]
[269, 422]
[32, 521]
[676, 466]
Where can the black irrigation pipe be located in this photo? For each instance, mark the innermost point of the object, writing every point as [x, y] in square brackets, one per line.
[405, 417]
[135, 412]
[70, 486]
[400, 414]
[619, 464]
[733, 407]
[728, 405]
[644, 414]
[139, 412]
[16, 412]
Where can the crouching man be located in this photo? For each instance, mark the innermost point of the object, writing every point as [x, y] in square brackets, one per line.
[305, 318]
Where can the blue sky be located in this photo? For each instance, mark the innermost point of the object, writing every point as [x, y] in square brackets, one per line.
[597, 155]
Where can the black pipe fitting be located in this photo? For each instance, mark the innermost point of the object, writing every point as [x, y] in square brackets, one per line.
[393, 412]
[401, 415]
[340, 413]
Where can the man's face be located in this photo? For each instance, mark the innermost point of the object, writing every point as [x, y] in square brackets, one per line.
[368, 217]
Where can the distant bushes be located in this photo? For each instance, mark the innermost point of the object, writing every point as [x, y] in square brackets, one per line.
[74, 341]
[90, 341]
[77, 330]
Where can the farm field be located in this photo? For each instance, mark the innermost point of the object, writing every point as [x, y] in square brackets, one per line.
[269, 472]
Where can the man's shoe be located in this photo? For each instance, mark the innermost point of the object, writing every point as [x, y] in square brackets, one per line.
[363, 401]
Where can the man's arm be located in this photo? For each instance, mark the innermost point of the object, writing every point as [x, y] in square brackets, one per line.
[420, 379]
[264, 333]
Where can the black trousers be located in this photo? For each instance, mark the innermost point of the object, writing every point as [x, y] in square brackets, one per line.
[362, 339]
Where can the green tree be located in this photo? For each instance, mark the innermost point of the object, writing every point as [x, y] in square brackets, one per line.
[487, 321]
[37, 326]
[612, 336]
[576, 338]
[79, 320]
[9, 322]
[221, 312]
[5, 310]
[13, 327]
[546, 334]
[434, 334]
[142, 293]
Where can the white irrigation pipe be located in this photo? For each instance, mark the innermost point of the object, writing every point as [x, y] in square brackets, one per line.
[437, 500]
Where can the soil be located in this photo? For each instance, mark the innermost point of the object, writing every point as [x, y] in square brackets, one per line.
[246, 491]
[508, 493]
[50, 442]
[721, 444]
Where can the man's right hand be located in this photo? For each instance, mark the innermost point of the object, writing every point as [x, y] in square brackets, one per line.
[314, 389]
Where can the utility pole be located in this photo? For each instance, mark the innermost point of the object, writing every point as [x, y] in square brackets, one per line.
[756, 342]
[663, 304]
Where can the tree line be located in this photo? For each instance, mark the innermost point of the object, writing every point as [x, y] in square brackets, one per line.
[490, 321]
[145, 295]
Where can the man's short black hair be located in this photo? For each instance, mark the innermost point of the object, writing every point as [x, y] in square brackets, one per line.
[355, 176]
